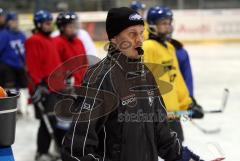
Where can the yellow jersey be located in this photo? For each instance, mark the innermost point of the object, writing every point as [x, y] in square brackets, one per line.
[162, 62]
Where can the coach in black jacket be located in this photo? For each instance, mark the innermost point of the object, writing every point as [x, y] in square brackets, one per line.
[120, 114]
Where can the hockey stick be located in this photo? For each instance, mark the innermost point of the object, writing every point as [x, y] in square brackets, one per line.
[48, 126]
[218, 159]
[206, 131]
[224, 103]
[46, 121]
[216, 150]
[179, 114]
[220, 110]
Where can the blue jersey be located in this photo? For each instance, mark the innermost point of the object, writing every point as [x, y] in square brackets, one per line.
[184, 64]
[12, 50]
[185, 67]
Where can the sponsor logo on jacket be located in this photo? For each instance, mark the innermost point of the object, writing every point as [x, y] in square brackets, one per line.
[129, 100]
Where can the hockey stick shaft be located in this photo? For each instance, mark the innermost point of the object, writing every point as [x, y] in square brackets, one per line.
[46, 120]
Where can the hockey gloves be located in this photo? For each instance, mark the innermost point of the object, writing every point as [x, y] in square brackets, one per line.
[196, 110]
[40, 93]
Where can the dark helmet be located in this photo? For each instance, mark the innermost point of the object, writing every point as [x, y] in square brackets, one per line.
[65, 18]
[11, 16]
[155, 14]
[42, 16]
[135, 5]
[158, 13]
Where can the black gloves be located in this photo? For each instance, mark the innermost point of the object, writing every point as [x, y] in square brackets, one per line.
[196, 110]
[40, 93]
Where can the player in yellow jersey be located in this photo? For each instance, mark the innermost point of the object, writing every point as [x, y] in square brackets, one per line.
[185, 68]
[160, 58]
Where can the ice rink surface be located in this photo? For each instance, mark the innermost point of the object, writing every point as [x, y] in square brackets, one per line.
[215, 67]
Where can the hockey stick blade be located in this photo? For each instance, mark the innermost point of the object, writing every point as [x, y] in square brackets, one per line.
[224, 103]
[218, 159]
[206, 131]
[213, 111]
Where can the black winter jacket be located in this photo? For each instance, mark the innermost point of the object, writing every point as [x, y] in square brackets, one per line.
[120, 116]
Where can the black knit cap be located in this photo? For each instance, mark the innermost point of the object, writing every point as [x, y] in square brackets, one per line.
[121, 18]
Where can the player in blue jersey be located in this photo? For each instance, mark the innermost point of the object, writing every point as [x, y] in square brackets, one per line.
[12, 54]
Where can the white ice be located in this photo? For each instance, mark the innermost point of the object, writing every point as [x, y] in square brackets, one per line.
[215, 67]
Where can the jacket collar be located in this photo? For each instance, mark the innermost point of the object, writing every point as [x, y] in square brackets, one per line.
[127, 65]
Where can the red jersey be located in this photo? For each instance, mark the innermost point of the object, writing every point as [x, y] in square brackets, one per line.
[41, 57]
[68, 49]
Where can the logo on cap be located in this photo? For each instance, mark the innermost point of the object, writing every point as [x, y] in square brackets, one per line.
[135, 17]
